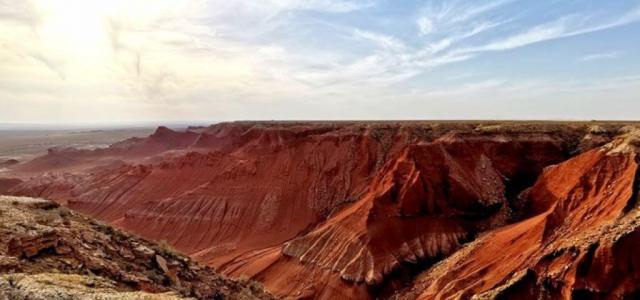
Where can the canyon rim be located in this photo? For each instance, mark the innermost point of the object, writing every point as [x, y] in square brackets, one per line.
[319, 149]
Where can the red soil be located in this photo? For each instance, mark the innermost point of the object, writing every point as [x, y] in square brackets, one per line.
[577, 241]
[361, 210]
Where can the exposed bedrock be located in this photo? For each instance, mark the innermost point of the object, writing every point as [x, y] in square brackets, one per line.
[368, 210]
[576, 241]
[424, 205]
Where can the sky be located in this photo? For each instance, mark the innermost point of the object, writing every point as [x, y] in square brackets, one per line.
[94, 61]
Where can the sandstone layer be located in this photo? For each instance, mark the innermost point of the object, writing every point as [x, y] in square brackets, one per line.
[353, 210]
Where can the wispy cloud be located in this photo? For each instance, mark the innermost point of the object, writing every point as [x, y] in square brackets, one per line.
[566, 26]
[381, 40]
[223, 54]
[425, 25]
[599, 56]
[499, 87]
[441, 26]
[336, 6]
[476, 9]
[445, 16]
[55, 67]
[23, 12]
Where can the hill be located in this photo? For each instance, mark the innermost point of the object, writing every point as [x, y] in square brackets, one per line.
[50, 252]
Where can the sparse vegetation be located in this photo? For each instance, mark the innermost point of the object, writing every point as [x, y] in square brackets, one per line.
[253, 285]
[167, 248]
[46, 219]
[64, 212]
[107, 263]
[102, 227]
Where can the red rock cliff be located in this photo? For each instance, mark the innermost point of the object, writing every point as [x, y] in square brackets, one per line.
[361, 210]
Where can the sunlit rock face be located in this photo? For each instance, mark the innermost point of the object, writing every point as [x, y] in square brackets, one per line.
[372, 210]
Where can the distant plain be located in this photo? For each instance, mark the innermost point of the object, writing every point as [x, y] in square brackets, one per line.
[25, 144]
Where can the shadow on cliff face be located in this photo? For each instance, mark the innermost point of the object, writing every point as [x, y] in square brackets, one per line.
[363, 208]
[423, 206]
[532, 194]
[479, 219]
[573, 240]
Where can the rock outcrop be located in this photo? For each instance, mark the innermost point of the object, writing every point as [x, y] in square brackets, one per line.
[372, 210]
[49, 252]
[422, 206]
[576, 241]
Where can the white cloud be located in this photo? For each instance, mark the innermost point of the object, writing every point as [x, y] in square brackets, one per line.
[567, 26]
[541, 86]
[396, 60]
[425, 25]
[381, 40]
[336, 6]
[447, 16]
[599, 56]
[474, 10]
[534, 35]
[225, 57]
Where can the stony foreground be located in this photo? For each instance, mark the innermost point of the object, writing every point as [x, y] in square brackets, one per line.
[49, 252]
[353, 210]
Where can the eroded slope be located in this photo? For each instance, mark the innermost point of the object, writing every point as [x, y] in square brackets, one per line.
[357, 210]
[577, 241]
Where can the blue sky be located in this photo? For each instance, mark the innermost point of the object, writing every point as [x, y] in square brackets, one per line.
[144, 60]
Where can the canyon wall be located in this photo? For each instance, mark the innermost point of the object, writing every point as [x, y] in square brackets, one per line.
[354, 210]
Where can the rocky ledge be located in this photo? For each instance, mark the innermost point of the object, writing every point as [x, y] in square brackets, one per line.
[49, 252]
